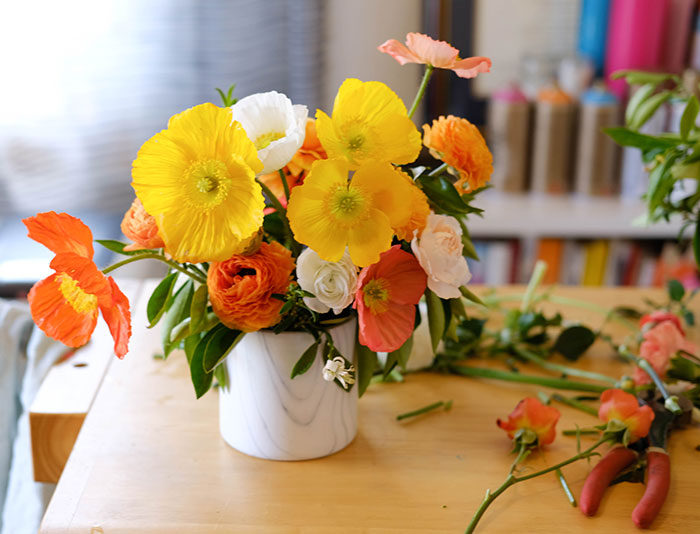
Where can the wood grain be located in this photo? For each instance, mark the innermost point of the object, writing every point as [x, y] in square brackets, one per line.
[150, 460]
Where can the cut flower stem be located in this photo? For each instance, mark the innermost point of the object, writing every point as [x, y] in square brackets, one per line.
[425, 409]
[570, 371]
[153, 256]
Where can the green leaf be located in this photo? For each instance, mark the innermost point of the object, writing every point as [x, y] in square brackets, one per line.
[219, 346]
[645, 110]
[661, 183]
[639, 96]
[690, 113]
[625, 137]
[399, 356]
[466, 292]
[307, 359]
[201, 380]
[221, 376]
[442, 193]
[178, 311]
[675, 290]
[118, 247]
[574, 341]
[159, 298]
[457, 307]
[638, 77]
[198, 308]
[190, 344]
[696, 243]
[366, 364]
[436, 318]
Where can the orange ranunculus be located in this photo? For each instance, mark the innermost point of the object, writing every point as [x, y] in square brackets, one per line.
[386, 298]
[624, 407]
[420, 48]
[531, 414]
[141, 228]
[661, 342]
[419, 213]
[241, 288]
[459, 143]
[300, 164]
[65, 305]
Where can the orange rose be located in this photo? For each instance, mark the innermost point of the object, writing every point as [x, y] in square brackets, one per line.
[241, 288]
[533, 416]
[141, 228]
[300, 165]
[619, 405]
[459, 143]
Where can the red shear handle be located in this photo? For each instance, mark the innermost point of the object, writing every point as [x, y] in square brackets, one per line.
[658, 480]
[602, 475]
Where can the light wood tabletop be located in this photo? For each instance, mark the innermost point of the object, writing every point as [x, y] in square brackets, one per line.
[149, 459]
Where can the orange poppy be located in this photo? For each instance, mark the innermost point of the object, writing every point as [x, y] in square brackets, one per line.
[65, 305]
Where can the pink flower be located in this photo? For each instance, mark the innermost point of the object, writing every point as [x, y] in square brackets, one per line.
[386, 299]
[624, 407]
[659, 316]
[530, 414]
[661, 342]
[420, 48]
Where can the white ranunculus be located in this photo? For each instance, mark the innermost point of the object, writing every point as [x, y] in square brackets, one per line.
[333, 283]
[276, 127]
[439, 252]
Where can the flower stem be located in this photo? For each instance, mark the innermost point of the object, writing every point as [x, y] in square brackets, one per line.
[570, 371]
[567, 489]
[425, 409]
[511, 479]
[671, 401]
[575, 404]
[438, 170]
[296, 248]
[285, 185]
[421, 90]
[535, 280]
[556, 383]
[153, 256]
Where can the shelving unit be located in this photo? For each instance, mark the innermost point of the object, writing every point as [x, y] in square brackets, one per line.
[531, 216]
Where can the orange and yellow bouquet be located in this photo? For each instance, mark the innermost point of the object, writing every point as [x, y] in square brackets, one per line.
[269, 219]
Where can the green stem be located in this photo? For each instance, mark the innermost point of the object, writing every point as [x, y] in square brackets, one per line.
[575, 404]
[153, 256]
[671, 401]
[438, 170]
[425, 409]
[421, 90]
[296, 248]
[555, 383]
[580, 432]
[567, 489]
[535, 280]
[285, 185]
[511, 479]
[570, 371]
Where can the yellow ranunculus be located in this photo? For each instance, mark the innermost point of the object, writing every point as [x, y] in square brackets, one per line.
[328, 213]
[369, 124]
[197, 179]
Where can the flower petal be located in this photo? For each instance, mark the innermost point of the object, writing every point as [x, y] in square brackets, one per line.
[471, 66]
[399, 52]
[60, 232]
[117, 315]
[431, 52]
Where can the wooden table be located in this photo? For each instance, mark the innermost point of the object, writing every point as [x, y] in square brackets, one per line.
[149, 459]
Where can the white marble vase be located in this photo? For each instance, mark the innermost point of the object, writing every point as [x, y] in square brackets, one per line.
[265, 413]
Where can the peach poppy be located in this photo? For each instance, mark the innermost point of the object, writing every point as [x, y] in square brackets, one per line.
[661, 342]
[386, 298]
[624, 407]
[141, 228]
[459, 143]
[241, 288]
[531, 414]
[420, 48]
[65, 305]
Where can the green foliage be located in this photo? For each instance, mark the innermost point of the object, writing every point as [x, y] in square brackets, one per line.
[227, 98]
[574, 341]
[159, 299]
[366, 364]
[118, 247]
[306, 360]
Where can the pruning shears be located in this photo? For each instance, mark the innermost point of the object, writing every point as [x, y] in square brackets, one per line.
[653, 449]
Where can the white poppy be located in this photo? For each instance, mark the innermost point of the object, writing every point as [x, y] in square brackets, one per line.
[276, 127]
[333, 283]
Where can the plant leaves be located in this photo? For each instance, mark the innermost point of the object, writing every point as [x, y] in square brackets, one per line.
[198, 308]
[118, 247]
[625, 137]
[639, 96]
[159, 298]
[399, 356]
[696, 243]
[442, 193]
[574, 341]
[466, 292]
[178, 311]
[436, 318]
[647, 108]
[690, 113]
[366, 364]
[638, 77]
[219, 346]
[306, 360]
[675, 290]
[201, 380]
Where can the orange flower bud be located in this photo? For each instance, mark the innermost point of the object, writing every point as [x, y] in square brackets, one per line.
[530, 414]
[624, 407]
[241, 288]
[141, 228]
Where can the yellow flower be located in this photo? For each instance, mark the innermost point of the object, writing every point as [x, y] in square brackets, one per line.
[197, 179]
[369, 123]
[419, 213]
[327, 213]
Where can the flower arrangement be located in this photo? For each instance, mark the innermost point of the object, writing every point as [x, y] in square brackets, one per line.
[268, 219]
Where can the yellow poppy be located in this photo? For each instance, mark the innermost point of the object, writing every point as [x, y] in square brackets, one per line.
[197, 179]
[369, 124]
[328, 213]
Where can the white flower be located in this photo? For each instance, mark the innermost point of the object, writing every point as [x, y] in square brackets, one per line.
[333, 283]
[276, 127]
[335, 368]
[439, 252]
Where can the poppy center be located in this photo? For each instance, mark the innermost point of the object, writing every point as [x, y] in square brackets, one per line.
[81, 301]
[209, 180]
[348, 204]
[376, 295]
[265, 139]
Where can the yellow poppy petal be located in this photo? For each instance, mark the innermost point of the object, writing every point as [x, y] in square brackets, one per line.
[389, 188]
[368, 239]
